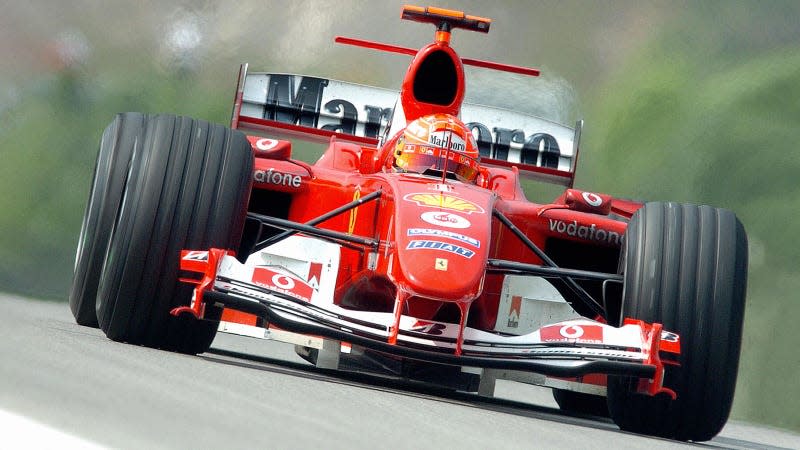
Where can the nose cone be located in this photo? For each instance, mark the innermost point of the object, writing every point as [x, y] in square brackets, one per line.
[442, 239]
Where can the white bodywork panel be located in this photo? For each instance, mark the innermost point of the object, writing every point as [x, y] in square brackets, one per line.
[299, 266]
[527, 303]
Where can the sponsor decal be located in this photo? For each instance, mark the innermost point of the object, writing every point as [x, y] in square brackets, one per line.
[443, 219]
[266, 144]
[444, 139]
[670, 342]
[284, 283]
[540, 149]
[440, 264]
[668, 336]
[514, 312]
[272, 176]
[323, 104]
[440, 187]
[444, 233]
[438, 245]
[443, 201]
[588, 232]
[434, 329]
[571, 333]
[196, 256]
[314, 275]
[316, 102]
[592, 199]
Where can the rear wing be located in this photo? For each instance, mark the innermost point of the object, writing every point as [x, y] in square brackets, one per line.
[316, 109]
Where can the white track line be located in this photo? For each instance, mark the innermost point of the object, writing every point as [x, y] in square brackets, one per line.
[18, 432]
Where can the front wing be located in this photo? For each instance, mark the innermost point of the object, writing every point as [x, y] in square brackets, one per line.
[568, 349]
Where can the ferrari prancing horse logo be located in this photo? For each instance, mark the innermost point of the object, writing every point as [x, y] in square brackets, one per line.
[443, 201]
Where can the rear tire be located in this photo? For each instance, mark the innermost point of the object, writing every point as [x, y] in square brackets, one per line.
[685, 266]
[187, 188]
[110, 173]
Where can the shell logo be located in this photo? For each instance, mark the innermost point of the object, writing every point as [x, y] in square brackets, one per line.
[444, 201]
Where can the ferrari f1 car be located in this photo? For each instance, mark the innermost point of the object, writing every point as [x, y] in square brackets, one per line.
[409, 248]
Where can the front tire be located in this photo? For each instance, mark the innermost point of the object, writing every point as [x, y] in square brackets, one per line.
[187, 188]
[110, 173]
[685, 266]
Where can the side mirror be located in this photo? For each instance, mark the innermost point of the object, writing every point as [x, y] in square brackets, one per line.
[270, 148]
[587, 201]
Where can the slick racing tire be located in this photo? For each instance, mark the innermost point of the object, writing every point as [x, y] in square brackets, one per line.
[581, 403]
[111, 169]
[685, 266]
[187, 187]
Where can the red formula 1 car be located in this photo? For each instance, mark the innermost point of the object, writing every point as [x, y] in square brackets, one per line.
[409, 247]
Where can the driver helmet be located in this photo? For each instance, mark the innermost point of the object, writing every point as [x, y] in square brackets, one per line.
[438, 143]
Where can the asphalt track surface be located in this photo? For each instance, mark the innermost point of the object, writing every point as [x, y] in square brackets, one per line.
[70, 381]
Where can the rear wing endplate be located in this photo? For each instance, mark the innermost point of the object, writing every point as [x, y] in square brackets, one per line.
[316, 109]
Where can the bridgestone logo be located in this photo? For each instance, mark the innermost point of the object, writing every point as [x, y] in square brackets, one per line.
[590, 233]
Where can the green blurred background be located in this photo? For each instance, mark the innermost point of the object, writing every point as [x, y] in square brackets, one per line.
[687, 101]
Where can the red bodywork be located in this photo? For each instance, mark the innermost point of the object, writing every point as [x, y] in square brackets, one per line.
[435, 236]
[421, 282]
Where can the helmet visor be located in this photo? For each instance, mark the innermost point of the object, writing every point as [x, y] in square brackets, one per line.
[421, 158]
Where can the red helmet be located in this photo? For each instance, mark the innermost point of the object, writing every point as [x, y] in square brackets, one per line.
[438, 142]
